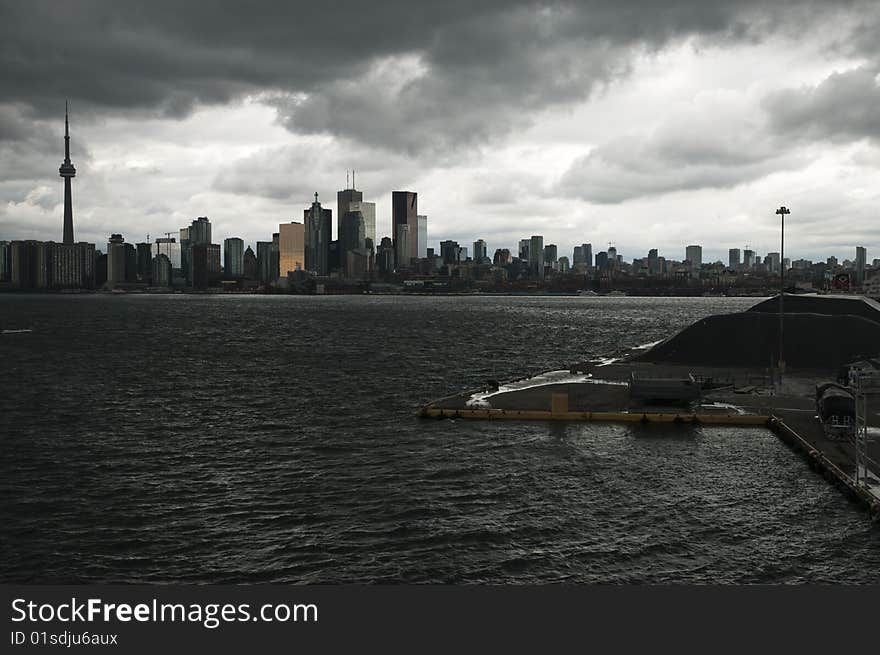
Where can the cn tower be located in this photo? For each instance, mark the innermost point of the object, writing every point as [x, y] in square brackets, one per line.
[67, 171]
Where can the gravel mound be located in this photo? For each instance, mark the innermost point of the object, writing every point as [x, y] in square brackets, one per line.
[751, 339]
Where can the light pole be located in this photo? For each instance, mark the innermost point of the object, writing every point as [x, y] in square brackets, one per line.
[782, 211]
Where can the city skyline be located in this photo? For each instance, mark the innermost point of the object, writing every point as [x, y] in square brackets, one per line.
[688, 128]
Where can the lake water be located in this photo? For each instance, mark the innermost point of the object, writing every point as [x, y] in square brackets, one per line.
[274, 439]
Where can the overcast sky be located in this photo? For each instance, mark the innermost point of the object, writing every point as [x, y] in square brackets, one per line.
[646, 124]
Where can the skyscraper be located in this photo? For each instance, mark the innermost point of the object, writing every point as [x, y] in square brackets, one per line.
[233, 258]
[200, 230]
[351, 238]
[588, 254]
[479, 251]
[422, 249]
[524, 249]
[267, 260]
[368, 211]
[249, 261]
[170, 248]
[694, 255]
[67, 171]
[144, 262]
[402, 242]
[551, 254]
[344, 199]
[861, 262]
[318, 233]
[536, 256]
[291, 248]
[405, 211]
[733, 260]
[115, 260]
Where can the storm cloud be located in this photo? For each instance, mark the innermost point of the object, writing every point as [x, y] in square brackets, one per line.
[531, 115]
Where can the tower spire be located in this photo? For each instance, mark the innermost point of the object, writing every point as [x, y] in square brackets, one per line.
[67, 171]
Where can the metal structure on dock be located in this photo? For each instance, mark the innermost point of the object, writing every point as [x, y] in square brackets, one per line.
[865, 384]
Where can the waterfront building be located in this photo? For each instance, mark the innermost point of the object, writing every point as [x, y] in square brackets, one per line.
[214, 270]
[161, 271]
[184, 252]
[233, 258]
[536, 256]
[199, 263]
[733, 258]
[68, 172]
[28, 264]
[115, 260]
[563, 265]
[249, 261]
[405, 211]
[602, 260]
[524, 249]
[100, 270]
[291, 248]
[749, 259]
[422, 236]
[144, 261]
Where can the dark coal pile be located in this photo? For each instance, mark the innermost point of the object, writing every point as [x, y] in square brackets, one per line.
[815, 304]
[812, 341]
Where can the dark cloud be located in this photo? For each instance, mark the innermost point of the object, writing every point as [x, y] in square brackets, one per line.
[411, 77]
[842, 107]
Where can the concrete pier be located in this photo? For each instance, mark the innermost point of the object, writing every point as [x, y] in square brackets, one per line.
[731, 396]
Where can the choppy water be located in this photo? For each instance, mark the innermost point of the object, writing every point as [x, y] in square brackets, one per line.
[253, 439]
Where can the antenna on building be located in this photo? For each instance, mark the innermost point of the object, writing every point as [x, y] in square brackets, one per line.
[352, 179]
[346, 179]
